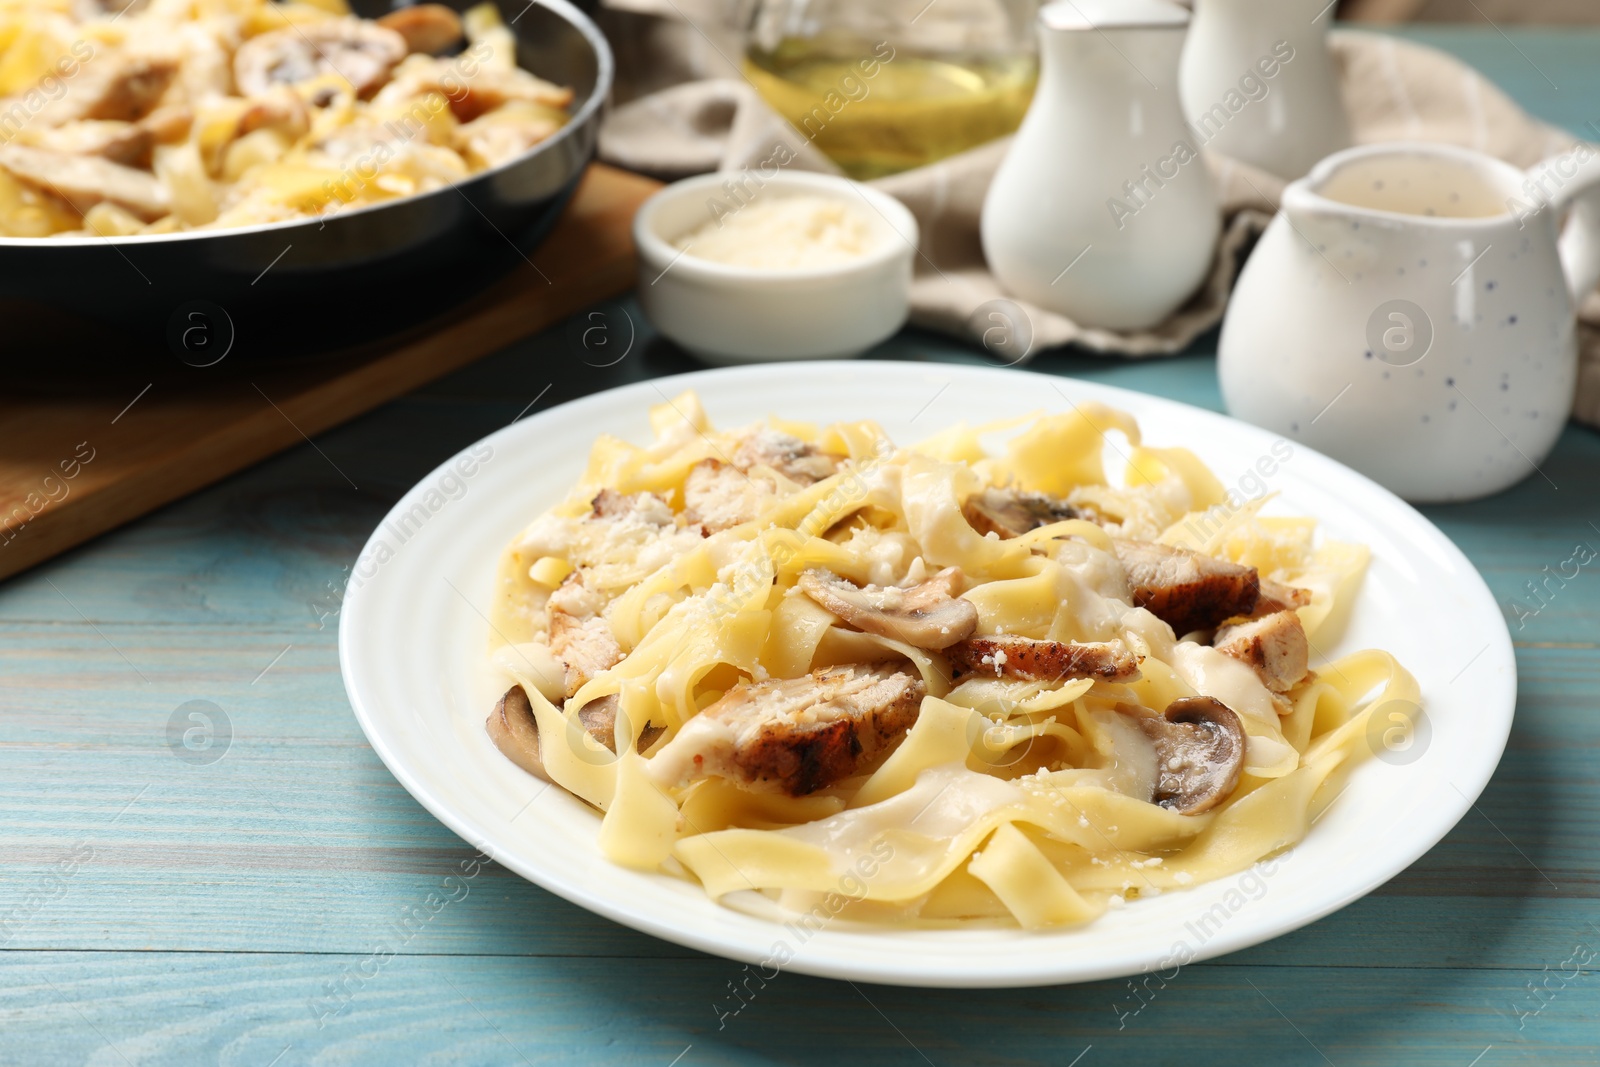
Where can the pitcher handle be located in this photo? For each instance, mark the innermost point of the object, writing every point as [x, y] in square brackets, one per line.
[1575, 178]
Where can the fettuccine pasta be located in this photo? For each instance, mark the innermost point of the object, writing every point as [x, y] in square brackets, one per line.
[933, 684]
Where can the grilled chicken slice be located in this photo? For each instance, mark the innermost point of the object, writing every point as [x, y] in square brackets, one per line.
[1027, 660]
[719, 496]
[610, 504]
[84, 181]
[121, 142]
[1184, 589]
[1009, 513]
[1274, 645]
[929, 615]
[788, 455]
[579, 636]
[1276, 597]
[795, 735]
[124, 90]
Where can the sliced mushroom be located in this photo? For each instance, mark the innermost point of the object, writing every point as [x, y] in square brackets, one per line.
[1184, 589]
[1274, 645]
[361, 52]
[795, 735]
[515, 733]
[929, 615]
[427, 28]
[599, 719]
[1200, 746]
[1009, 513]
[84, 181]
[1027, 660]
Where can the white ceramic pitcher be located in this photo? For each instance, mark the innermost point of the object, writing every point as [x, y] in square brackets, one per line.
[1410, 311]
[1102, 209]
[1259, 84]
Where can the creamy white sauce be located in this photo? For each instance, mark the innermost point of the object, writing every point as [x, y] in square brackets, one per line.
[943, 803]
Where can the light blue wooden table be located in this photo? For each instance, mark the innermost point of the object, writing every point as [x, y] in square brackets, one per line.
[269, 907]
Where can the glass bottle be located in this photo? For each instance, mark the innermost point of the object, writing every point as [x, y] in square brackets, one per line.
[881, 87]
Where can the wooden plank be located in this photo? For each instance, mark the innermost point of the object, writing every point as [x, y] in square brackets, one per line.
[150, 1008]
[73, 466]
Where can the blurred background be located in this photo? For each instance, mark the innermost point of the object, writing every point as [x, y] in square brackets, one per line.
[1479, 11]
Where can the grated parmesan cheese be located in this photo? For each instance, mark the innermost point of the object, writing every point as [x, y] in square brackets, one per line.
[783, 233]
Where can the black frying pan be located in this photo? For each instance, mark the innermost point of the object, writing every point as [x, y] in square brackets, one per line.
[292, 290]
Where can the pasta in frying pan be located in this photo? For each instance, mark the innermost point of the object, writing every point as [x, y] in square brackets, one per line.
[929, 684]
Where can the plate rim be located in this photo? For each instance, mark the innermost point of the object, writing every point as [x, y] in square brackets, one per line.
[1068, 970]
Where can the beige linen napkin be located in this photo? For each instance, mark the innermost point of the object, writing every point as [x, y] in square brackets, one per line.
[1393, 90]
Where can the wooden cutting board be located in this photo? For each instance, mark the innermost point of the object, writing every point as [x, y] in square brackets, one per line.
[73, 466]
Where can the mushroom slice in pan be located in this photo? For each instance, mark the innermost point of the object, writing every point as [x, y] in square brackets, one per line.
[1027, 660]
[929, 615]
[1200, 747]
[1274, 645]
[1184, 589]
[362, 53]
[795, 735]
[515, 732]
[1009, 513]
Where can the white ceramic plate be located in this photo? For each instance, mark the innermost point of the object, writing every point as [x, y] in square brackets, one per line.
[412, 643]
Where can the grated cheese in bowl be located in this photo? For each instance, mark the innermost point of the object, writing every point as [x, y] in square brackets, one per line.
[784, 233]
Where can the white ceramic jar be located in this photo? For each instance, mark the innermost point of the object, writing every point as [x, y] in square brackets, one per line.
[1102, 210]
[1410, 311]
[1259, 84]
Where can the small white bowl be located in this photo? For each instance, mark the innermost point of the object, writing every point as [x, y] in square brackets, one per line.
[732, 314]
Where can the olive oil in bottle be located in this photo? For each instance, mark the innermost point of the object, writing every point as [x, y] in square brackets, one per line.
[875, 110]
